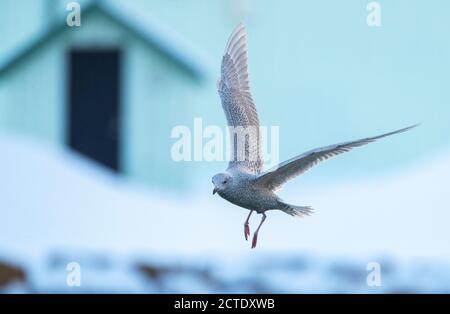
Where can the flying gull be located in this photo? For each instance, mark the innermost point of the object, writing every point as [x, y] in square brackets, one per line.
[244, 183]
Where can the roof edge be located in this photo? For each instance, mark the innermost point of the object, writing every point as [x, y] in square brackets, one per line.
[159, 37]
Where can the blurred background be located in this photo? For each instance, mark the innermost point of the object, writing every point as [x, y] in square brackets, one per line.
[86, 174]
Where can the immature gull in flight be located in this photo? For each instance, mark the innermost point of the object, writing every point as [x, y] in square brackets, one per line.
[244, 183]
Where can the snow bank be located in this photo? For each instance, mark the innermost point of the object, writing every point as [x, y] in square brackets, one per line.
[56, 202]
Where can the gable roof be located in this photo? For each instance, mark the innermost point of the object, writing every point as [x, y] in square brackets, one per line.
[144, 28]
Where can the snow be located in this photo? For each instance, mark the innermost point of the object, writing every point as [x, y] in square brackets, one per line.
[57, 207]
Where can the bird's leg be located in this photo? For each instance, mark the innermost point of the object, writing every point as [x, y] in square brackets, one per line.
[255, 236]
[246, 226]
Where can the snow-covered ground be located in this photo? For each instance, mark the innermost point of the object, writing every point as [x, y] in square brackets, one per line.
[57, 207]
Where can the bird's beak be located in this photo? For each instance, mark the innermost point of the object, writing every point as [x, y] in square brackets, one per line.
[215, 191]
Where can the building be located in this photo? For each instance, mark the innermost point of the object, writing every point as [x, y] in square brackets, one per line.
[110, 89]
[320, 77]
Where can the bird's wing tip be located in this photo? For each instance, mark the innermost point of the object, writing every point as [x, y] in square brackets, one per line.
[413, 126]
[240, 25]
[239, 29]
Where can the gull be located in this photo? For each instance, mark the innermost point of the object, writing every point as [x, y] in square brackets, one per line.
[244, 183]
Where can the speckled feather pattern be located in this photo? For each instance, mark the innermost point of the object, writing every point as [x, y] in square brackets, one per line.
[244, 183]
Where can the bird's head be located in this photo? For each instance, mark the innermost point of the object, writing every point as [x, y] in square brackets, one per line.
[221, 181]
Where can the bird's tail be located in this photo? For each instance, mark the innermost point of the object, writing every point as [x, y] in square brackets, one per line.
[294, 210]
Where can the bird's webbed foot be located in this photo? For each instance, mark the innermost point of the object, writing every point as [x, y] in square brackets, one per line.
[255, 240]
[247, 226]
[246, 230]
[255, 236]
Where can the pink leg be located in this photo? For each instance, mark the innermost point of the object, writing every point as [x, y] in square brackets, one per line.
[246, 226]
[255, 236]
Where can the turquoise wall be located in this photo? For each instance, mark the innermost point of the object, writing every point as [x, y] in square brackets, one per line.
[156, 93]
[317, 71]
[320, 73]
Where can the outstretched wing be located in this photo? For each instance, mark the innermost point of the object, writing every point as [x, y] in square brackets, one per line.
[238, 105]
[274, 178]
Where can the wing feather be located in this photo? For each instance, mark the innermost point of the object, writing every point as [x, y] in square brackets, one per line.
[238, 105]
[274, 178]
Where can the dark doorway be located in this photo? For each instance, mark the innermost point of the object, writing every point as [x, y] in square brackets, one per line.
[94, 114]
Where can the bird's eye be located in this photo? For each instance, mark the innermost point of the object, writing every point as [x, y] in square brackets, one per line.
[225, 181]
